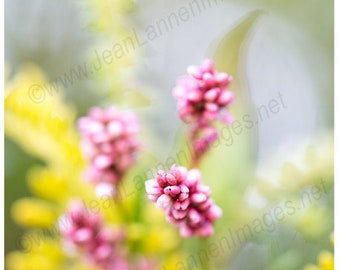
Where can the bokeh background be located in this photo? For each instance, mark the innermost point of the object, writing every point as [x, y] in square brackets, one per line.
[273, 48]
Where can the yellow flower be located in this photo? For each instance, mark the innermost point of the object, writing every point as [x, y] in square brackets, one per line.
[32, 212]
[41, 254]
[44, 127]
[46, 184]
[326, 260]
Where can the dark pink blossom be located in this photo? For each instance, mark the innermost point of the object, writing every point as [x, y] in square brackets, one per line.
[185, 201]
[203, 98]
[203, 94]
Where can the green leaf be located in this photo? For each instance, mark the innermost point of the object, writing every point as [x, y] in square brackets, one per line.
[237, 144]
[229, 52]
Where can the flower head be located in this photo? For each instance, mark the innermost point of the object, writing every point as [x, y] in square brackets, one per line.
[83, 233]
[109, 141]
[203, 95]
[203, 98]
[185, 200]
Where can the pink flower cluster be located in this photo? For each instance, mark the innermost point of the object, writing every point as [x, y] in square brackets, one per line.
[109, 141]
[83, 233]
[185, 200]
[203, 98]
[203, 95]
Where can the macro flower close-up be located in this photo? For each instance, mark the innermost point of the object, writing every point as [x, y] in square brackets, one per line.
[169, 135]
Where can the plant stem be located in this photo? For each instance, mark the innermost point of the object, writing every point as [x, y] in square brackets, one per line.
[204, 246]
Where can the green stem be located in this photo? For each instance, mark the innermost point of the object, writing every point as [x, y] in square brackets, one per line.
[204, 246]
[117, 200]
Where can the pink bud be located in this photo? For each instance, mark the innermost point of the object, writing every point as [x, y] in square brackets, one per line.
[193, 177]
[102, 161]
[103, 252]
[194, 216]
[210, 115]
[205, 205]
[101, 137]
[170, 179]
[194, 95]
[204, 189]
[208, 79]
[161, 180]
[214, 213]
[163, 201]
[212, 94]
[152, 188]
[107, 148]
[205, 230]
[181, 205]
[124, 163]
[179, 214]
[195, 72]
[225, 98]
[211, 107]
[82, 235]
[207, 66]
[184, 193]
[223, 79]
[115, 128]
[198, 198]
[172, 190]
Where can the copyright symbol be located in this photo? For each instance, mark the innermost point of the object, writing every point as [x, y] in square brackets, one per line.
[24, 243]
[36, 93]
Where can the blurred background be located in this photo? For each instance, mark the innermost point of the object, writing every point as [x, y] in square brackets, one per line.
[278, 52]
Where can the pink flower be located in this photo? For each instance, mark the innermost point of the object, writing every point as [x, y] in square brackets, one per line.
[84, 233]
[109, 141]
[203, 95]
[185, 201]
[202, 136]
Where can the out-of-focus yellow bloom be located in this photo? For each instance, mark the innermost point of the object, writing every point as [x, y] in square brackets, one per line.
[160, 238]
[41, 254]
[45, 127]
[325, 260]
[33, 213]
[47, 185]
[136, 231]
[176, 260]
